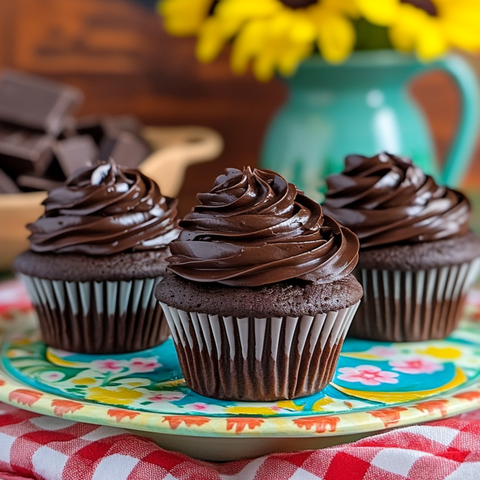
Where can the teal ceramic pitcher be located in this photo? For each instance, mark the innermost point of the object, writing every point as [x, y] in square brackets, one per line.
[363, 106]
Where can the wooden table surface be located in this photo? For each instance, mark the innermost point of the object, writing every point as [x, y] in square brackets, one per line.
[119, 55]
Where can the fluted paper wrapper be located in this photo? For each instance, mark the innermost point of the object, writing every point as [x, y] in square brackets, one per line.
[258, 358]
[412, 306]
[98, 317]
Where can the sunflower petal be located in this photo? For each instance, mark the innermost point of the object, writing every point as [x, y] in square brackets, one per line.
[246, 10]
[184, 17]
[378, 12]
[336, 37]
[264, 66]
[431, 43]
[247, 44]
[211, 40]
[302, 29]
[462, 33]
[346, 7]
[289, 61]
[404, 31]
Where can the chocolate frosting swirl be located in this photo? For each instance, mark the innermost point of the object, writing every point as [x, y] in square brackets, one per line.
[387, 200]
[253, 228]
[104, 210]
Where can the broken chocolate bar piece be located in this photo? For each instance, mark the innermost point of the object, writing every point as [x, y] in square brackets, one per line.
[75, 152]
[33, 102]
[100, 128]
[91, 126]
[127, 149]
[32, 181]
[23, 151]
[123, 123]
[42, 143]
[69, 129]
[7, 185]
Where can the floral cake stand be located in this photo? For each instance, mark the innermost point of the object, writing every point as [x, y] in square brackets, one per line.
[376, 386]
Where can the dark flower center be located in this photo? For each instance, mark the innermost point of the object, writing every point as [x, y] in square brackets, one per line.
[425, 5]
[299, 3]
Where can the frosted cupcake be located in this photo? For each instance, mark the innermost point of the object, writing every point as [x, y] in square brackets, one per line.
[95, 258]
[417, 256]
[260, 294]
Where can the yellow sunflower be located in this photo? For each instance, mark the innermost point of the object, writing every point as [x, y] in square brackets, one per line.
[275, 34]
[428, 27]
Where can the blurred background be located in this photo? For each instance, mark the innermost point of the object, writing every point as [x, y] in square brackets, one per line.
[118, 53]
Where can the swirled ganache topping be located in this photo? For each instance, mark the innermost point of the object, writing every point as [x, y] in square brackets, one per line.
[387, 200]
[105, 210]
[253, 228]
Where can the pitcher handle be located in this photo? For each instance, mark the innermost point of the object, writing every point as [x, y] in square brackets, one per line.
[464, 142]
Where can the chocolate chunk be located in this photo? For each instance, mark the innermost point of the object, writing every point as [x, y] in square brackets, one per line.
[7, 185]
[33, 102]
[125, 123]
[100, 128]
[93, 127]
[75, 152]
[37, 182]
[69, 129]
[126, 149]
[23, 151]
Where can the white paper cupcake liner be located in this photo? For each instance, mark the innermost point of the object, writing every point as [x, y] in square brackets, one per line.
[258, 358]
[411, 306]
[98, 317]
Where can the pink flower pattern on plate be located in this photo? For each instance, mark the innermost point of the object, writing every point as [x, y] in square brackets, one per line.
[416, 366]
[52, 376]
[383, 351]
[167, 397]
[108, 365]
[367, 375]
[143, 365]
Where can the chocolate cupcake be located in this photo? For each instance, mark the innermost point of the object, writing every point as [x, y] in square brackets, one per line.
[417, 255]
[95, 258]
[260, 295]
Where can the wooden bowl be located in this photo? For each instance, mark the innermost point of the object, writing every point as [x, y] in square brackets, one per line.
[175, 148]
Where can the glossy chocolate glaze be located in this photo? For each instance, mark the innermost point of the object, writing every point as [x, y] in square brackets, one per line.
[387, 200]
[253, 228]
[104, 210]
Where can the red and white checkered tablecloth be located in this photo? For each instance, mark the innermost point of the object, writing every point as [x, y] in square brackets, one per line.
[34, 446]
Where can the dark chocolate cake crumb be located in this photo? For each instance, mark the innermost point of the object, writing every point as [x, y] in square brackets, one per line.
[84, 268]
[422, 256]
[276, 300]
